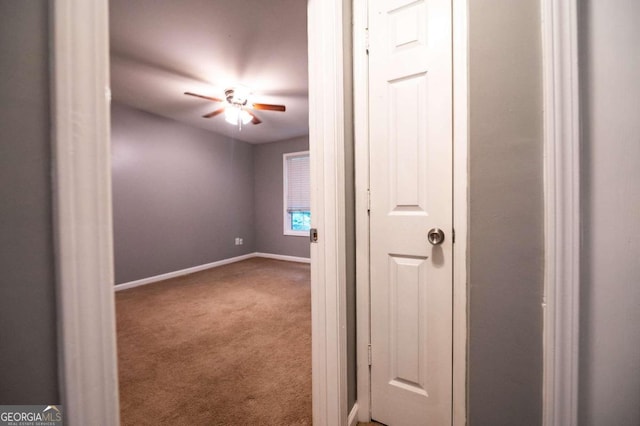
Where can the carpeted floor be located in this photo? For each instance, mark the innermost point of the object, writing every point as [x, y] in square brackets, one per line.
[226, 346]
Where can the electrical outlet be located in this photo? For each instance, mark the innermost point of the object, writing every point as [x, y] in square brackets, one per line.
[241, 241]
[237, 241]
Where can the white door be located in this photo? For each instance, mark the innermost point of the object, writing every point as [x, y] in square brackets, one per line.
[410, 92]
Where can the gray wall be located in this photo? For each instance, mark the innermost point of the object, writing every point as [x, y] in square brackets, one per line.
[268, 194]
[180, 195]
[28, 361]
[506, 214]
[609, 381]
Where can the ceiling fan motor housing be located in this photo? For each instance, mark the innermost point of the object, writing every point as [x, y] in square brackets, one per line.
[235, 99]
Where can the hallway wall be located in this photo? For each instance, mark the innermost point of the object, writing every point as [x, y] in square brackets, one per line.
[609, 381]
[28, 346]
[506, 233]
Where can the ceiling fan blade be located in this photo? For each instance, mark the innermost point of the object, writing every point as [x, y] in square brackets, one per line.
[255, 120]
[269, 107]
[214, 113]
[209, 98]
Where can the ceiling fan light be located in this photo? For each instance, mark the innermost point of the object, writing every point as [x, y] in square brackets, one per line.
[245, 117]
[233, 115]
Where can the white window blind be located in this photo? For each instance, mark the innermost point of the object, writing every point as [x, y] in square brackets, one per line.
[298, 186]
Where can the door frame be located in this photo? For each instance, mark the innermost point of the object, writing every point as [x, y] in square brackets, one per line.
[87, 354]
[460, 211]
[561, 304]
[87, 359]
[327, 135]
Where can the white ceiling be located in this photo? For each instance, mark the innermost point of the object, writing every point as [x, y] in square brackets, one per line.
[163, 48]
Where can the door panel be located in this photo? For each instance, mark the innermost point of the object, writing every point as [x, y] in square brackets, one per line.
[407, 130]
[410, 92]
[406, 281]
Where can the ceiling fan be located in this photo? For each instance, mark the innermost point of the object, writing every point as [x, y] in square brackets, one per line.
[236, 108]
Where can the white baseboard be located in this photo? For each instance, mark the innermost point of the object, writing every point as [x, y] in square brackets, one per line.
[353, 415]
[162, 277]
[181, 272]
[283, 257]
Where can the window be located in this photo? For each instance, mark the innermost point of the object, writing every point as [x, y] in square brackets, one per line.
[297, 193]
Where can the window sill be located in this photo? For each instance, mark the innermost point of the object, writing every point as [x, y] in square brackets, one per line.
[297, 233]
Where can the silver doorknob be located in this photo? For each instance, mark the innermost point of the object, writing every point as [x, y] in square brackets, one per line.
[435, 236]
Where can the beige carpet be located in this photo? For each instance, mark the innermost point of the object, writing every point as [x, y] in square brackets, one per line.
[227, 346]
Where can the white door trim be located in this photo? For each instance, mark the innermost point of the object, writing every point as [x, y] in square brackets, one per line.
[460, 207]
[328, 270]
[460, 197]
[82, 184]
[562, 211]
[82, 191]
[361, 155]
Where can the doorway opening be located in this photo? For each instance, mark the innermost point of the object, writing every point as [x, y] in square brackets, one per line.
[211, 216]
